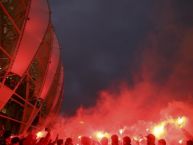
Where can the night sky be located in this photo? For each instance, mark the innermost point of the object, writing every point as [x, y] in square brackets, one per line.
[103, 42]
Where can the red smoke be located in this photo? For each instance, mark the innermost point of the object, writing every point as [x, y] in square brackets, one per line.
[150, 100]
[154, 97]
[162, 89]
[133, 110]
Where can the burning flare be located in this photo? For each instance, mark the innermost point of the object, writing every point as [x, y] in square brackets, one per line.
[181, 122]
[100, 134]
[40, 134]
[160, 131]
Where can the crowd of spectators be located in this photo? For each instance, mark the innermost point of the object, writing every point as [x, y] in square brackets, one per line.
[6, 138]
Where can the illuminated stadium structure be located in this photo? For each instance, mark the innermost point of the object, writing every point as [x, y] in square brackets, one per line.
[31, 73]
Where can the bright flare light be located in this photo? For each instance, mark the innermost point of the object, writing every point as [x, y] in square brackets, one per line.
[137, 139]
[79, 137]
[100, 134]
[40, 134]
[181, 121]
[180, 141]
[159, 130]
[121, 131]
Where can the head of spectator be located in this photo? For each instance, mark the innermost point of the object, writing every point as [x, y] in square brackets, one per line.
[126, 140]
[189, 142]
[22, 141]
[114, 139]
[85, 140]
[161, 142]
[7, 137]
[60, 142]
[69, 141]
[15, 141]
[2, 129]
[150, 139]
[104, 141]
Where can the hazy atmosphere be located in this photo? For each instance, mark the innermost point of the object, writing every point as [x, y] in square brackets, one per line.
[109, 43]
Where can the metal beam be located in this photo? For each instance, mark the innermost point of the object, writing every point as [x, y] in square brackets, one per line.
[10, 18]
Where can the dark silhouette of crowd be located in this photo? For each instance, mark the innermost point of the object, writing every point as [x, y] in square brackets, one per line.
[6, 138]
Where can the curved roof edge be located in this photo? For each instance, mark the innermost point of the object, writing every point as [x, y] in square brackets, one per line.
[54, 62]
[33, 34]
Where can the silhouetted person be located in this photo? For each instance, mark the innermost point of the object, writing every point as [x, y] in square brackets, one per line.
[6, 138]
[126, 140]
[15, 141]
[69, 141]
[22, 141]
[114, 140]
[54, 142]
[60, 142]
[104, 141]
[150, 139]
[161, 142]
[85, 140]
[44, 140]
[189, 142]
[2, 130]
[30, 139]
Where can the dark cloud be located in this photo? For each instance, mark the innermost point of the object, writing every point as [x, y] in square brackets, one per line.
[103, 41]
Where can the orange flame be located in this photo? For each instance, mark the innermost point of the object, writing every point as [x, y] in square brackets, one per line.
[100, 134]
[160, 131]
[40, 134]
